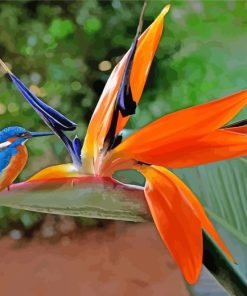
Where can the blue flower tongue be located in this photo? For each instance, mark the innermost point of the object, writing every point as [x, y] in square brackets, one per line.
[55, 120]
[77, 145]
[125, 103]
[51, 117]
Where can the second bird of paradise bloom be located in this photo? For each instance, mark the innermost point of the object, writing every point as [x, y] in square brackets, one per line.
[189, 137]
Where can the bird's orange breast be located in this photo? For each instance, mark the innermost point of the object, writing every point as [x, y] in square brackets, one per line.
[14, 168]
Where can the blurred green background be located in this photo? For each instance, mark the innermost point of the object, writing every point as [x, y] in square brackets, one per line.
[65, 51]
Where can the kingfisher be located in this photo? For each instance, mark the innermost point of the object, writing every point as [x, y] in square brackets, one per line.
[13, 152]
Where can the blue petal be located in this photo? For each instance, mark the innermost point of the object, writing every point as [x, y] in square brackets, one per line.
[55, 120]
[74, 153]
[125, 102]
[48, 114]
[77, 146]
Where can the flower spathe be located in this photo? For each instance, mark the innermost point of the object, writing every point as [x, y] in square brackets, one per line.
[193, 136]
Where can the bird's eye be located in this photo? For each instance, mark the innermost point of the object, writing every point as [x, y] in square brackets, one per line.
[22, 135]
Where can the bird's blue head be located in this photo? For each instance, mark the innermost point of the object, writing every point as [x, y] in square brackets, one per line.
[15, 135]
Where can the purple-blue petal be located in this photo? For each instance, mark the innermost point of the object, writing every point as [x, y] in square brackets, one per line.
[47, 112]
[54, 119]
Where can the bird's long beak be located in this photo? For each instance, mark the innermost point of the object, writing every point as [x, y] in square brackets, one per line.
[40, 134]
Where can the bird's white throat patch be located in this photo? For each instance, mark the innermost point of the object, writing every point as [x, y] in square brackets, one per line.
[5, 144]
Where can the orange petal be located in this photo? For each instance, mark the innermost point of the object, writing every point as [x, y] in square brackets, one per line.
[102, 116]
[175, 219]
[194, 202]
[216, 146]
[171, 137]
[56, 172]
[146, 49]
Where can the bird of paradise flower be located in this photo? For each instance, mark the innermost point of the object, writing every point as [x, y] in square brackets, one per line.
[189, 137]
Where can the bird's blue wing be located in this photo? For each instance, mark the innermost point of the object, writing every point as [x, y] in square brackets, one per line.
[5, 157]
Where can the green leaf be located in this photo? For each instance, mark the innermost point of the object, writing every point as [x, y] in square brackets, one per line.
[225, 271]
[104, 198]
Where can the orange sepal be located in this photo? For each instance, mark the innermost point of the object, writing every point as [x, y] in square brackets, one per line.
[175, 140]
[102, 115]
[56, 172]
[216, 146]
[194, 202]
[146, 49]
[175, 219]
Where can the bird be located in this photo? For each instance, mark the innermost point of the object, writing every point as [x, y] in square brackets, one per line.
[13, 152]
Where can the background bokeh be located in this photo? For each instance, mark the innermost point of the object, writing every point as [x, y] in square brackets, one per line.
[65, 50]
